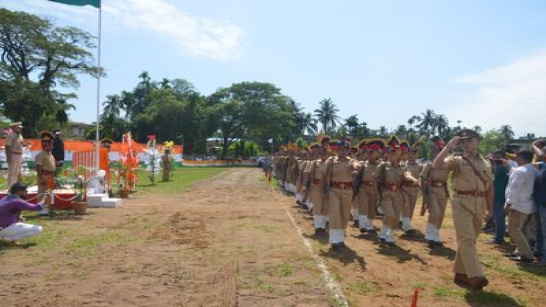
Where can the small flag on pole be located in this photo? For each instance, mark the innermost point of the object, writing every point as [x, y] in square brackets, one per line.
[95, 3]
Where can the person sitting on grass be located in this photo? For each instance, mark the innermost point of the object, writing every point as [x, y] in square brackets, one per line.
[11, 227]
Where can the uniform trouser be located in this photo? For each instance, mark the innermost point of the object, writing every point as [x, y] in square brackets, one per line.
[409, 195]
[468, 213]
[14, 169]
[437, 201]
[366, 201]
[19, 231]
[516, 222]
[339, 208]
[320, 203]
[391, 204]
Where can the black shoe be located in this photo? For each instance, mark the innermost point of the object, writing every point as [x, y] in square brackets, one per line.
[320, 231]
[355, 223]
[512, 254]
[410, 231]
[371, 230]
[521, 259]
[438, 243]
[338, 245]
[363, 230]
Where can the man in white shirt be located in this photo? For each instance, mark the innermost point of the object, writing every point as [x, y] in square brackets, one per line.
[520, 204]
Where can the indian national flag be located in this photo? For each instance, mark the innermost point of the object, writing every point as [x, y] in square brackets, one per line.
[95, 3]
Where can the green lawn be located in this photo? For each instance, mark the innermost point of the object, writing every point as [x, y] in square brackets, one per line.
[181, 179]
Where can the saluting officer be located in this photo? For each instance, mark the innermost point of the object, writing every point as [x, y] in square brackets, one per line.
[472, 200]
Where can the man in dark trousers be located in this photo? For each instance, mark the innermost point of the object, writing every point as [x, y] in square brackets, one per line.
[58, 149]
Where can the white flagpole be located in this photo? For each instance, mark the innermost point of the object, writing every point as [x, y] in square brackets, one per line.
[98, 96]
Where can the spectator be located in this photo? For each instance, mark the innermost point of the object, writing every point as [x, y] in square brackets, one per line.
[520, 204]
[58, 149]
[500, 181]
[539, 194]
[11, 227]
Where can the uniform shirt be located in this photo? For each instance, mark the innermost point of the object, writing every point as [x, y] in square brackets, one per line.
[434, 174]
[464, 177]
[15, 141]
[519, 192]
[414, 169]
[46, 161]
[389, 173]
[370, 170]
[11, 207]
[339, 170]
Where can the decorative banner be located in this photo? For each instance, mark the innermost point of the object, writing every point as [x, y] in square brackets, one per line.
[95, 3]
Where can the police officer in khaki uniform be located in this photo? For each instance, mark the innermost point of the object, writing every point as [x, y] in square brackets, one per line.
[14, 153]
[435, 194]
[390, 176]
[320, 202]
[45, 169]
[338, 177]
[410, 188]
[368, 196]
[472, 200]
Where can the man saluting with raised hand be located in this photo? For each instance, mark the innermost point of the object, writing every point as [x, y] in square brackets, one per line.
[472, 200]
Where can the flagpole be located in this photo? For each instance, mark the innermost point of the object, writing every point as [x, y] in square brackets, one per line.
[98, 95]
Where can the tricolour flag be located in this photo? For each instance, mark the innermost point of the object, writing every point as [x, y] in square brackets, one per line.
[95, 3]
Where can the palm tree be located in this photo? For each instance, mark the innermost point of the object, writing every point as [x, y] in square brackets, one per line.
[352, 125]
[478, 129]
[327, 114]
[428, 122]
[309, 124]
[442, 124]
[413, 120]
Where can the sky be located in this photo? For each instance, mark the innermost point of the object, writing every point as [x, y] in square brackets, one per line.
[482, 63]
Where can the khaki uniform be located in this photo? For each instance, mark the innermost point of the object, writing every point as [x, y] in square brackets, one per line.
[290, 174]
[435, 181]
[390, 177]
[48, 165]
[15, 163]
[367, 195]
[410, 193]
[339, 174]
[469, 208]
[320, 202]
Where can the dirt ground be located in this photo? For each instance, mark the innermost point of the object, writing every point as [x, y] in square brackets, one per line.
[233, 240]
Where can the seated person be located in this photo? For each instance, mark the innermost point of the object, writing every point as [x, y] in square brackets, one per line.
[11, 228]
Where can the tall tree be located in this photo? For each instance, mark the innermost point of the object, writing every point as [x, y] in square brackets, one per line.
[35, 58]
[327, 114]
[252, 110]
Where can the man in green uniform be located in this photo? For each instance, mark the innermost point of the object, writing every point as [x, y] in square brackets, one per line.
[472, 200]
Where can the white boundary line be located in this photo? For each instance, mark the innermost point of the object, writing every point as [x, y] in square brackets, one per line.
[332, 285]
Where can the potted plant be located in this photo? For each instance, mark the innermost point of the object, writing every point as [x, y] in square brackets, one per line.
[80, 202]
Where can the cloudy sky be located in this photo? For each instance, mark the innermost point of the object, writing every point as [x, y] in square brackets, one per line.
[479, 62]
